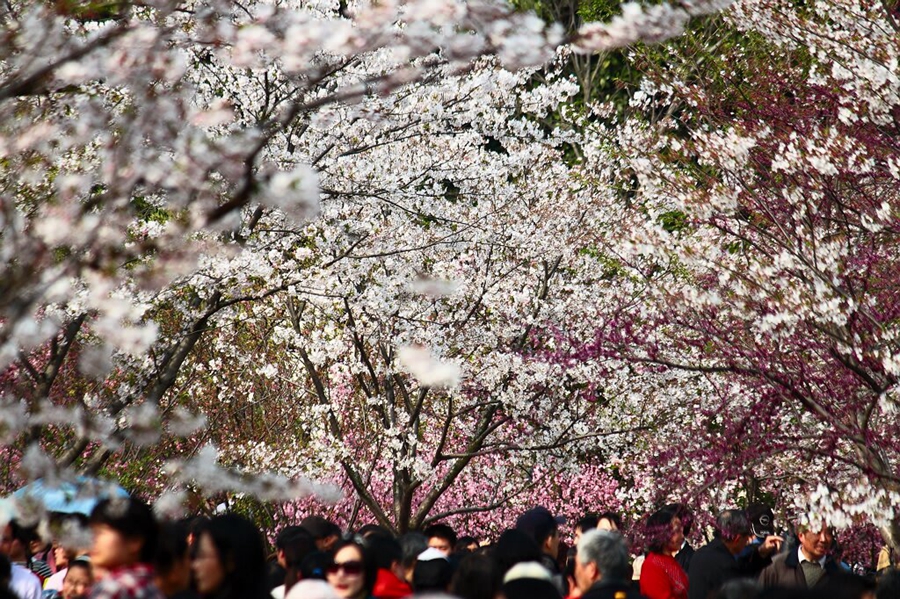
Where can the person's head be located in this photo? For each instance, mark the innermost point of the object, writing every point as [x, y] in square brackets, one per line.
[229, 558]
[62, 556]
[193, 524]
[352, 570]
[684, 514]
[372, 529]
[846, 585]
[324, 531]
[386, 552]
[466, 544]
[5, 571]
[733, 528]
[664, 530]
[889, 584]
[294, 545]
[412, 544]
[173, 558]
[314, 566]
[433, 572]
[515, 547]
[611, 521]
[583, 525]
[476, 577]
[529, 580]
[78, 581]
[601, 554]
[125, 533]
[815, 540]
[542, 527]
[16, 541]
[442, 537]
[283, 538]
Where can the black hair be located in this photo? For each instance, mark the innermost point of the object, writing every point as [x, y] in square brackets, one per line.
[289, 534]
[889, 584]
[192, 523]
[513, 547]
[132, 518]
[442, 531]
[412, 544]
[242, 554]
[5, 570]
[297, 546]
[616, 519]
[385, 549]
[296, 543]
[82, 563]
[171, 547]
[370, 568]
[476, 577]
[684, 514]
[658, 528]
[313, 566]
[373, 529]
[588, 522]
[846, 585]
[462, 544]
[24, 535]
[5, 578]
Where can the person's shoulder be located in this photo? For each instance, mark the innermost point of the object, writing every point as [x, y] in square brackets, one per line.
[22, 572]
[780, 560]
[23, 577]
[709, 549]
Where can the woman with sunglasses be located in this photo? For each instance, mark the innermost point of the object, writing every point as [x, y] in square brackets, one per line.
[352, 571]
[229, 559]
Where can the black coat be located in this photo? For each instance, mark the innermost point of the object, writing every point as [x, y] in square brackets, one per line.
[612, 589]
[713, 565]
[785, 572]
[683, 557]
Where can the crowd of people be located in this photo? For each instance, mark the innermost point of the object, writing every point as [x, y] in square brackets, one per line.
[133, 556]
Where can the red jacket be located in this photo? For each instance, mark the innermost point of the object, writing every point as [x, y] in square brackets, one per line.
[388, 586]
[663, 578]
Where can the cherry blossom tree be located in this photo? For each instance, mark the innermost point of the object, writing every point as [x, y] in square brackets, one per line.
[161, 159]
[403, 356]
[760, 182]
[126, 168]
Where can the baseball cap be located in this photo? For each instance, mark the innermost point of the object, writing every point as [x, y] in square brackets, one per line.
[762, 519]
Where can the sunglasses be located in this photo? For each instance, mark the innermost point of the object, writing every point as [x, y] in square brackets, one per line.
[352, 568]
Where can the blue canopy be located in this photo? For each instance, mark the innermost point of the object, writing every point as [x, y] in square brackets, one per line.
[62, 497]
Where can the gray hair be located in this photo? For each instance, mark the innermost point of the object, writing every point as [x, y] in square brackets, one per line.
[731, 523]
[606, 549]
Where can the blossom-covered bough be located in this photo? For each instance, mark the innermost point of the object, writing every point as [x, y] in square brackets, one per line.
[764, 220]
[158, 161]
[128, 161]
[372, 245]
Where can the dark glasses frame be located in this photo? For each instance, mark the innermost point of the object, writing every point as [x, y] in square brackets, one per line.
[350, 568]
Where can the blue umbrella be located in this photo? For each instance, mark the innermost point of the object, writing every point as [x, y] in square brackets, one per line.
[79, 497]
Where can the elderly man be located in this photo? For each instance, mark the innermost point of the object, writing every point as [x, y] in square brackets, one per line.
[602, 570]
[806, 567]
[723, 559]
